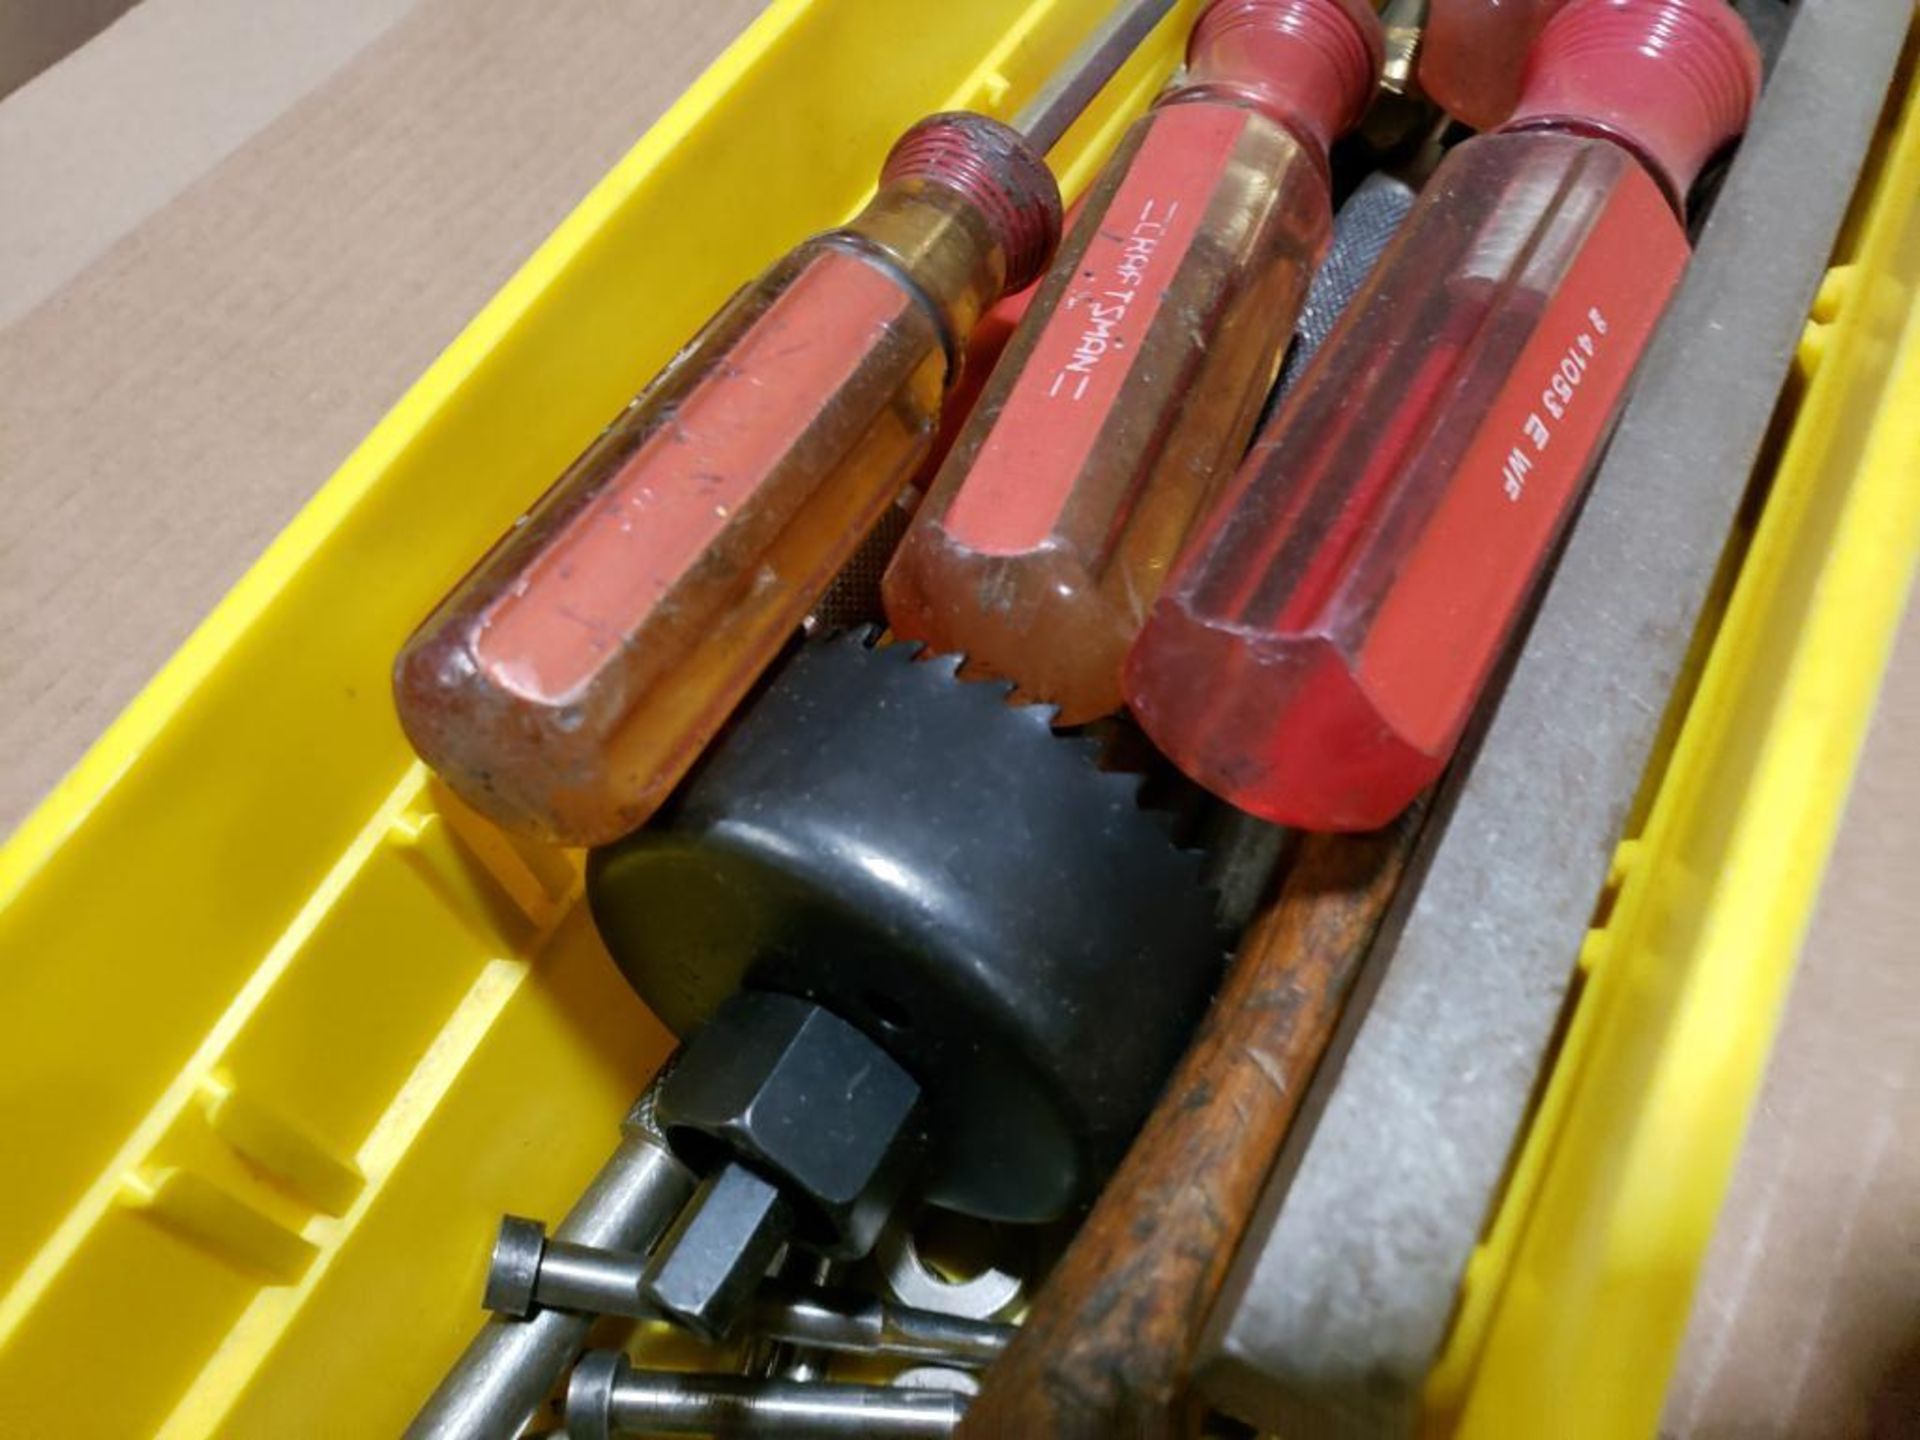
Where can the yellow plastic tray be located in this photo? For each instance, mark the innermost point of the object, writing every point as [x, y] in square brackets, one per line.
[283, 1030]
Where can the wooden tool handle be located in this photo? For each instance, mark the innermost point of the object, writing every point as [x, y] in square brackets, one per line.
[1107, 1349]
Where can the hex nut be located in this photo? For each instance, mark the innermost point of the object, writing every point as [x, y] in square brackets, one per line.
[807, 1100]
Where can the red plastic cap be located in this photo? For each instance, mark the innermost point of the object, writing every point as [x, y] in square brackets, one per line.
[1312, 65]
[994, 167]
[1674, 80]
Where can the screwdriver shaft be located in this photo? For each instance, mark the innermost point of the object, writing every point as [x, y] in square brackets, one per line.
[1045, 118]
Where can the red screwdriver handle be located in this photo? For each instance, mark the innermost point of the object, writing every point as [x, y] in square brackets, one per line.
[1136, 377]
[1321, 645]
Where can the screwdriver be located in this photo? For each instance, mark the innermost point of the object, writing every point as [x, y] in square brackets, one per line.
[1474, 53]
[1135, 379]
[1321, 644]
[568, 682]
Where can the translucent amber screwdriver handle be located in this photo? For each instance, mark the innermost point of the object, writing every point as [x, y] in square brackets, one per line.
[1134, 381]
[568, 682]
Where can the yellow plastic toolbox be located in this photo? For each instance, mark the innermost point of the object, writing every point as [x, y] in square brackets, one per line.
[286, 1030]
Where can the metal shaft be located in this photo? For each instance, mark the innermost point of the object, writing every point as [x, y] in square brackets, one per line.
[511, 1365]
[765, 1358]
[849, 1321]
[587, 1278]
[608, 1397]
[1071, 88]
